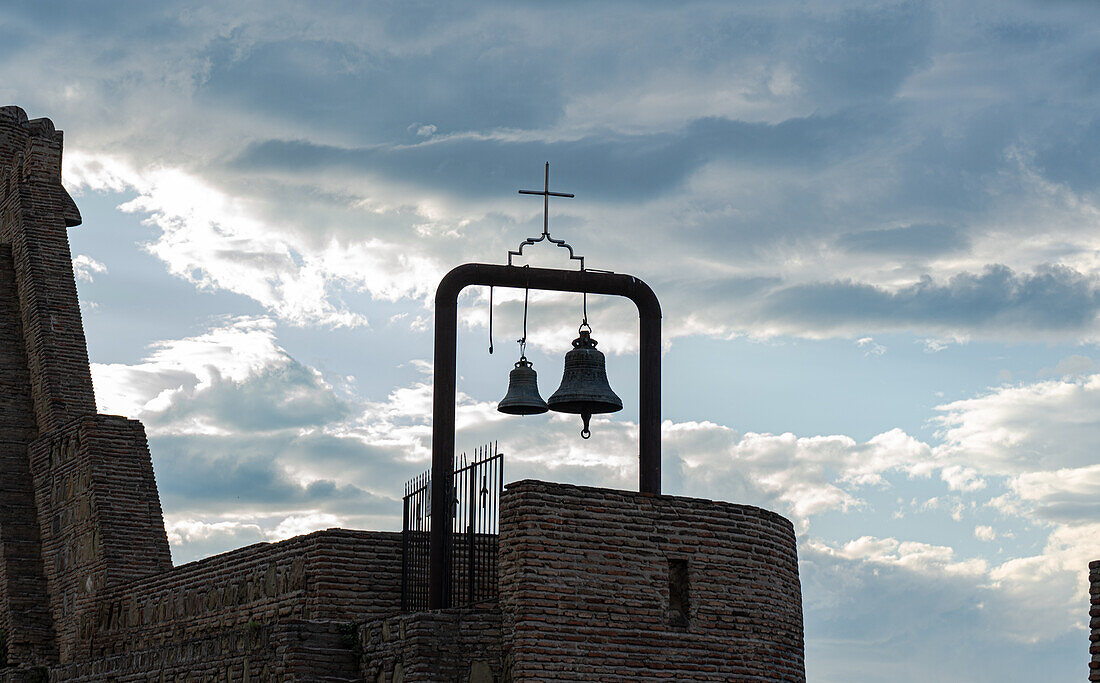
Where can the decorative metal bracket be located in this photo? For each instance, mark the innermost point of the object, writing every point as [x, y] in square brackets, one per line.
[546, 195]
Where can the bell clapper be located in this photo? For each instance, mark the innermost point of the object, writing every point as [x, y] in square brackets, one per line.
[586, 432]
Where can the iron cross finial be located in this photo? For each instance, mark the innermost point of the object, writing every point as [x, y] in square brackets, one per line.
[546, 195]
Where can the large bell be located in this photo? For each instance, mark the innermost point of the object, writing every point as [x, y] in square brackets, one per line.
[523, 391]
[584, 388]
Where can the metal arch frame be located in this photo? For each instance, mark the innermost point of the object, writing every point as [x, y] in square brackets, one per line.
[443, 395]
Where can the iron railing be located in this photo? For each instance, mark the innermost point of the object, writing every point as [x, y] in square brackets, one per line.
[472, 564]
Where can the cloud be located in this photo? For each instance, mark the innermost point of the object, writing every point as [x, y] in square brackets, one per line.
[985, 532]
[884, 609]
[921, 240]
[85, 268]
[1065, 495]
[871, 348]
[1052, 298]
[236, 372]
[1074, 365]
[1017, 429]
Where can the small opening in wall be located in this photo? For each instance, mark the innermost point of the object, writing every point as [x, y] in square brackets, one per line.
[679, 593]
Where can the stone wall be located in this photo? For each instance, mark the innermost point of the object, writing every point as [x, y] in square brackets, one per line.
[452, 645]
[1094, 620]
[612, 585]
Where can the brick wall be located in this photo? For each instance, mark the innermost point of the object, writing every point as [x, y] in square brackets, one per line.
[287, 651]
[280, 611]
[99, 516]
[24, 612]
[452, 645]
[1094, 620]
[586, 590]
[334, 575]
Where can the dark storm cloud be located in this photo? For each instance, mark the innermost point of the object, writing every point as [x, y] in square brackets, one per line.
[608, 166]
[867, 51]
[1053, 298]
[1073, 157]
[380, 95]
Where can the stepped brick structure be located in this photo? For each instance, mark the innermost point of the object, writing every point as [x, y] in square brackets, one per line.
[594, 584]
[1094, 620]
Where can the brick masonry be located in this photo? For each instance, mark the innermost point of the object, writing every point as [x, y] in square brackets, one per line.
[453, 645]
[1094, 620]
[585, 587]
[594, 584]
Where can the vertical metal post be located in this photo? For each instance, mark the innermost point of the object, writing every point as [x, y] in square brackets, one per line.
[649, 417]
[405, 551]
[443, 448]
[471, 532]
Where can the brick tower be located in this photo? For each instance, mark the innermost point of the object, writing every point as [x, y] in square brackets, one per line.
[79, 508]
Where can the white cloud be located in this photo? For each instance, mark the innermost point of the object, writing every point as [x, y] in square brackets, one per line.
[961, 478]
[1023, 428]
[85, 268]
[919, 557]
[236, 371]
[870, 347]
[218, 241]
[984, 532]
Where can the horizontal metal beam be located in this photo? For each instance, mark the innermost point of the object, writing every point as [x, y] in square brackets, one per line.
[443, 398]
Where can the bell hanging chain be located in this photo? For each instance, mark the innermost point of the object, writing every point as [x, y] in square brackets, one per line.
[523, 390]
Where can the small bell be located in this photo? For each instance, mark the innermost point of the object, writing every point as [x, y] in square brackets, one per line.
[523, 391]
[584, 388]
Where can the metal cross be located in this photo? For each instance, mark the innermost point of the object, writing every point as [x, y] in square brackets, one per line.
[546, 195]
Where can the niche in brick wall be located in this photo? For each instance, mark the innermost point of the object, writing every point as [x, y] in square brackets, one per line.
[679, 593]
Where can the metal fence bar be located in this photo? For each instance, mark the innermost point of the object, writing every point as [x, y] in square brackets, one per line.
[474, 508]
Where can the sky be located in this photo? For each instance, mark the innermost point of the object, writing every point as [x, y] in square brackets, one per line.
[872, 227]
